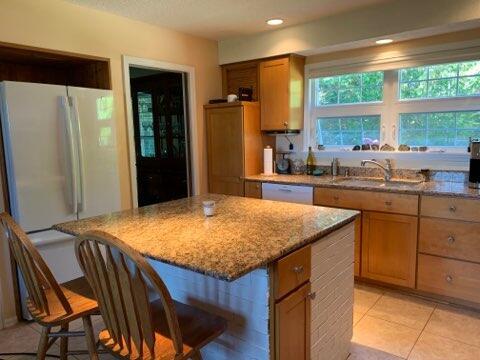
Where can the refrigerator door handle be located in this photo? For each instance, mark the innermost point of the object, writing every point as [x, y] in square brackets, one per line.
[71, 153]
[81, 164]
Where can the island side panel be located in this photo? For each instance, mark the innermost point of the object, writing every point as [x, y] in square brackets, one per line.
[332, 281]
[243, 302]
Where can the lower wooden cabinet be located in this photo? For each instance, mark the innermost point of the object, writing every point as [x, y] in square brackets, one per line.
[253, 189]
[389, 248]
[358, 246]
[449, 277]
[292, 326]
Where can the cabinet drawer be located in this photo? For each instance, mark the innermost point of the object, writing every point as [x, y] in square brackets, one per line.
[292, 271]
[447, 277]
[450, 238]
[451, 208]
[367, 200]
[253, 189]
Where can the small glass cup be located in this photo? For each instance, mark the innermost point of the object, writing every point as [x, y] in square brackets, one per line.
[208, 208]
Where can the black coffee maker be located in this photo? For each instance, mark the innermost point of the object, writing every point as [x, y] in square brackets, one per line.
[474, 177]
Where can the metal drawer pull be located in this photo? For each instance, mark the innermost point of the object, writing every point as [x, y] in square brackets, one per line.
[297, 269]
[388, 203]
[451, 239]
[312, 296]
[448, 278]
[452, 208]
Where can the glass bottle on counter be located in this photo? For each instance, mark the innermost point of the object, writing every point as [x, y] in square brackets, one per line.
[310, 161]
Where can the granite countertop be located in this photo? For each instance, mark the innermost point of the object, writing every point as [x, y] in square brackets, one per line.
[244, 234]
[440, 188]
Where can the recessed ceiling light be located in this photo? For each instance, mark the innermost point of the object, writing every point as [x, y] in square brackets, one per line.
[384, 41]
[275, 22]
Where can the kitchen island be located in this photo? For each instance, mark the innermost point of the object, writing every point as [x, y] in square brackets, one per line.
[280, 273]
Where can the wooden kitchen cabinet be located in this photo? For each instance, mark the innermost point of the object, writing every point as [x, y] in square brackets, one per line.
[292, 326]
[234, 145]
[244, 74]
[253, 189]
[281, 93]
[389, 248]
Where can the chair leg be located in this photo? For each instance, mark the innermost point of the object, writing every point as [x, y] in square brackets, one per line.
[43, 344]
[90, 338]
[64, 343]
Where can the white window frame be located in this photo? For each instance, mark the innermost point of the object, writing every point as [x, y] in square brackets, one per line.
[389, 110]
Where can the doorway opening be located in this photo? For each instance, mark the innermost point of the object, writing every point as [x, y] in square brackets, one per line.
[161, 134]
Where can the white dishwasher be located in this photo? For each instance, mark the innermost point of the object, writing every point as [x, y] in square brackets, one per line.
[288, 193]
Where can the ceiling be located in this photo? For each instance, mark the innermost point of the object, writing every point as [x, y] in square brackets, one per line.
[221, 19]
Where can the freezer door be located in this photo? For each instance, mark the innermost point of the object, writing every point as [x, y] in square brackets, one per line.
[38, 158]
[93, 116]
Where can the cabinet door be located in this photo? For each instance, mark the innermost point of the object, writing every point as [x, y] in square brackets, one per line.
[293, 325]
[389, 247]
[274, 94]
[253, 189]
[225, 150]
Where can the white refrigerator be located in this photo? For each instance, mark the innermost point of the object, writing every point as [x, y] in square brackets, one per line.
[61, 163]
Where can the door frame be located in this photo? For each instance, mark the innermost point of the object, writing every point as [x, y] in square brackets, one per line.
[193, 152]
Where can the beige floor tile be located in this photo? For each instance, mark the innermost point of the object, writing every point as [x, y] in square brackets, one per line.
[385, 336]
[455, 324]
[434, 347]
[361, 352]
[357, 316]
[403, 309]
[365, 297]
[19, 338]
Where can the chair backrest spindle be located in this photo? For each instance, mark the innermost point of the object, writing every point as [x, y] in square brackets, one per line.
[35, 273]
[118, 276]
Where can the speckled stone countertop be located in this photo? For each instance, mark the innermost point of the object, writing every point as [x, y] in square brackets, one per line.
[244, 234]
[439, 188]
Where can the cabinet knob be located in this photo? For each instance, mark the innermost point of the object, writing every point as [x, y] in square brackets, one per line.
[312, 295]
[452, 208]
[451, 239]
[298, 269]
[388, 203]
[448, 278]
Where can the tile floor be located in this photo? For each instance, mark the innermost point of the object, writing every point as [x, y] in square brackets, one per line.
[387, 326]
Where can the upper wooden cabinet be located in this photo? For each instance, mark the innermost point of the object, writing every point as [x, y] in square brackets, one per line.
[281, 93]
[244, 74]
[278, 84]
[234, 145]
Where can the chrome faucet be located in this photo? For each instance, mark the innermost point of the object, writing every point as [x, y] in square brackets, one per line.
[387, 168]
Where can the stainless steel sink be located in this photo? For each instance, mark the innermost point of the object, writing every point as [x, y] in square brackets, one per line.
[377, 181]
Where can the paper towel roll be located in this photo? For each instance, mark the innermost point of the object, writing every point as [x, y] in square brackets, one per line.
[268, 161]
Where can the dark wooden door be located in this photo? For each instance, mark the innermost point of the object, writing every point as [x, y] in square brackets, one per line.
[161, 137]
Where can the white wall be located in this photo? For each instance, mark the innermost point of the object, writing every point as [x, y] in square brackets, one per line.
[380, 20]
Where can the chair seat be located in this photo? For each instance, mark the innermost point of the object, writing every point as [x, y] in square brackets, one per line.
[197, 327]
[80, 296]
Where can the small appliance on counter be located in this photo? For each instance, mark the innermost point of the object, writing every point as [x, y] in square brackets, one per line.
[283, 164]
[245, 94]
[474, 176]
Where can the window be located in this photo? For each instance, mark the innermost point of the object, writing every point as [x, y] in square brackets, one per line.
[437, 106]
[349, 88]
[439, 128]
[440, 81]
[347, 130]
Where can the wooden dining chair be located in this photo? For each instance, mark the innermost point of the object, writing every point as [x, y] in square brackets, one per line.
[136, 328]
[49, 303]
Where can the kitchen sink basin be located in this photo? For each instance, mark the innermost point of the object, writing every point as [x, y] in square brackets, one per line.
[377, 181]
